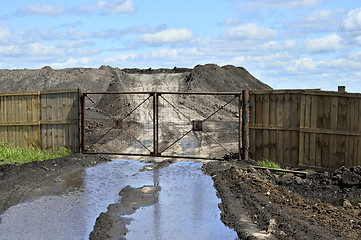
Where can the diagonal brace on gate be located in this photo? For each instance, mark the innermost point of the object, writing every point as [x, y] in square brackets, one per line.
[118, 122]
[193, 129]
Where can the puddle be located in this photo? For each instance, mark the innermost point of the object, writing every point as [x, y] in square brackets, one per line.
[187, 206]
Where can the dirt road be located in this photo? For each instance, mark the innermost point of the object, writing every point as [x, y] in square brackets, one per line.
[256, 203]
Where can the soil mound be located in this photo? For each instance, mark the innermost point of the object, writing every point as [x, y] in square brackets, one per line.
[210, 78]
[229, 78]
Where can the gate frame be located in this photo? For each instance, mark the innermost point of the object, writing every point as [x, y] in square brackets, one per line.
[243, 119]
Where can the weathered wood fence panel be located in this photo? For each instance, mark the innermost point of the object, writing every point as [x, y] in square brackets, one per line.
[48, 120]
[306, 127]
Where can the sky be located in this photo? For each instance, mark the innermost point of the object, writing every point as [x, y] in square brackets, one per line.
[288, 44]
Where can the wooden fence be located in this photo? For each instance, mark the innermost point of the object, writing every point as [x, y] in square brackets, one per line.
[306, 127]
[48, 120]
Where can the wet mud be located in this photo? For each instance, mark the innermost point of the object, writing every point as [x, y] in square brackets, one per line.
[254, 203]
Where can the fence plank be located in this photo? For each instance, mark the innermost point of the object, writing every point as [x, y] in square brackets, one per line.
[273, 133]
[287, 123]
[252, 132]
[301, 153]
[279, 120]
[294, 122]
[266, 121]
[313, 146]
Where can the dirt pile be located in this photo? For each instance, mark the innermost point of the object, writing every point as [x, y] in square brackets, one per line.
[208, 77]
[213, 78]
[287, 206]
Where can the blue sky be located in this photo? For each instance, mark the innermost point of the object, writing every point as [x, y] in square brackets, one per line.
[284, 43]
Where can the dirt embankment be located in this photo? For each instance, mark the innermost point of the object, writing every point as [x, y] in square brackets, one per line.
[210, 77]
[260, 204]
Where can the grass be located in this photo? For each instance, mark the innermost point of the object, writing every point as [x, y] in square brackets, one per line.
[17, 155]
[269, 164]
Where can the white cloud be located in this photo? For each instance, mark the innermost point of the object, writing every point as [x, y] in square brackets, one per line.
[288, 4]
[81, 62]
[173, 54]
[38, 9]
[353, 20]
[326, 44]
[100, 7]
[291, 44]
[344, 64]
[250, 31]
[108, 7]
[120, 58]
[319, 15]
[5, 35]
[230, 22]
[77, 44]
[302, 65]
[41, 50]
[358, 39]
[167, 36]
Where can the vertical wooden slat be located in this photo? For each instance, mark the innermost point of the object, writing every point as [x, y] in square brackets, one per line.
[259, 133]
[313, 147]
[252, 119]
[24, 129]
[294, 123]
[301, 150]
[57, 115]
[342, 125]
[307, 125]
[320, 126]
[266, 122]
[2, 130]
[326, 125]
[287, 124]
[273, 133]
[333, 138]
[75, 109]
[279, 120]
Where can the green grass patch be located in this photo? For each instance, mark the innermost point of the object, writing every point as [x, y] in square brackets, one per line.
[269, 164]
[17, 155]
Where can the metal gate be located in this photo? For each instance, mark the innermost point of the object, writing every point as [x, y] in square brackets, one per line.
[168, 124]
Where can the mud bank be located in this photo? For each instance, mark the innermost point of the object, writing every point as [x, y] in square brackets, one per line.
[209, 77]
[259, 204]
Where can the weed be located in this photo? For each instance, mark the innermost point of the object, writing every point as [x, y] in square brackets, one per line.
[269, 164]
[18, 155]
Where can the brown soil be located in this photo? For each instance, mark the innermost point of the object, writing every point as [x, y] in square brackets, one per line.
[209, 78]
[20, 183]
[256, 203]
[284, 206]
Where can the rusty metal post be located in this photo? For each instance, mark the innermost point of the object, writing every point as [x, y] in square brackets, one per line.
[83, 123]
[245, 124]
[155, 124]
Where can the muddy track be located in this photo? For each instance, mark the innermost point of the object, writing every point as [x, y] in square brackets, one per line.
[260, 204]
[256, 203]
[32, 180]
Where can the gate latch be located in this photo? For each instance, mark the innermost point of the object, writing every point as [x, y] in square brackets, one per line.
[117, 123]
[197, 125]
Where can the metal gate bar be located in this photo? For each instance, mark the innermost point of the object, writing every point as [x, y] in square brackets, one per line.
[117, 122]
[242, 122]
[201, 121]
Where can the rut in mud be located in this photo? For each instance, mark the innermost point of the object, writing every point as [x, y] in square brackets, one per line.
[122, 199]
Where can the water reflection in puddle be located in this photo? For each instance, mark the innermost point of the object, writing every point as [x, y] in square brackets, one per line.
[187, 206]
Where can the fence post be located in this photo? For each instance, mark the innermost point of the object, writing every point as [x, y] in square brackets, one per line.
[82, 97]
[155, 124]
[245, 124]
